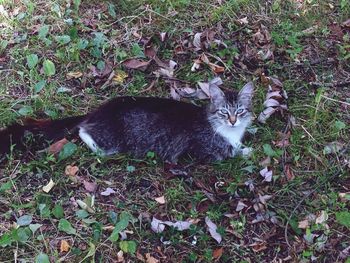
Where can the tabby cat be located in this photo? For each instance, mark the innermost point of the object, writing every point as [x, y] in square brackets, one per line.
[137, 125]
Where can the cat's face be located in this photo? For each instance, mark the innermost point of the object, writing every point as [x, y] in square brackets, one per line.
[231, 109]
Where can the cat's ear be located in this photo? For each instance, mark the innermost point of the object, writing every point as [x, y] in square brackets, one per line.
[217, 97]
[246, 94]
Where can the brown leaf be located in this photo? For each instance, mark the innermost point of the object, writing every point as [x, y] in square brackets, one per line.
[71, 170]
[57, 146]
[120, 256]
[74, 75]
[139, 256]
[150, 259]
[160, 200]
[64, 246]
[303, 224]
[283, 140]
[149, 50]
[134, 63]
[289, 173]
[218, 253]
[258, 246]
[90, 186]
[47, 188]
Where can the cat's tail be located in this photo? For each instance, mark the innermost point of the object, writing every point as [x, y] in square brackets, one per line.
[48, 130]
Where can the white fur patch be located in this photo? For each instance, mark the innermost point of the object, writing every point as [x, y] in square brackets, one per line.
[85, 136]
[233, 134]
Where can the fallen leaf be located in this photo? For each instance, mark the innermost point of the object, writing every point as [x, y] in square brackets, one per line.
[158, 226]
[266, 174]
[160, 200]
[47, 188]
[197, 40]
[289, 173]
[108, 192]
[303, 224]
[90, 186]
[266, 114]
[264, 198]
[64, 246]
[322, 217]
[119, 76]
[134, 63]
[139, 256]
[333, 147]
[71, 170]
[150, 259]
[85, 206]
[243, 21]
[258, 246]
[120, 256]
[283, 139]
[213, 230]
[240, 206]
[57, 146]
[74, 75]
[162, 36]
[217, 253]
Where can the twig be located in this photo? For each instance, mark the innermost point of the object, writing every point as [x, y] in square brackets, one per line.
[339, 101]
[292, 213]
[332, 84]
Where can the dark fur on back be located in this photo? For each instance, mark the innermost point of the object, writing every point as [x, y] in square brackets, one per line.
[169, 128]
[137, 125]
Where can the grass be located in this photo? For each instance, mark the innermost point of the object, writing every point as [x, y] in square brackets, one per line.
[305, 218]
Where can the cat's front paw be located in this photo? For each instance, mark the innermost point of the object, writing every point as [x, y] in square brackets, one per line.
[247, 152]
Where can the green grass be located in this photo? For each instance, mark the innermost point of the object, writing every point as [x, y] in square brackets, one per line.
[78, 36]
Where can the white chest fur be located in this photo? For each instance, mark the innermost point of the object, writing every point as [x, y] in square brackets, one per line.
[233, 134]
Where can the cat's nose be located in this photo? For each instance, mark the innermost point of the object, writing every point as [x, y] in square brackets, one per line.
[232, 119]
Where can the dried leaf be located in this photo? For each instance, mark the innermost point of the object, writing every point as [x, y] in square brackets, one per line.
[243, 21]
[64, 246]
[323, 217]
[150, 259]
[271, 103]
[134, 63]
[217, 253]
[303, 224]
[197, 41]
[162, 36]
[108, 192]
[258, 246]
[216, 68]
[289, 173]
[47, 188]
[140, 257]
[57, 146]
[71, 170]
[266, 114]
[90, 186]
[266, 174]
[119, 76]
[213, 230]
[240, 206]
[120, 256]
[160, 200]
[158, 226]
[333, 147]
[264, 198]
[74, 75]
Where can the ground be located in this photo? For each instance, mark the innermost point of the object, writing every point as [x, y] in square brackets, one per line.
[62, 58]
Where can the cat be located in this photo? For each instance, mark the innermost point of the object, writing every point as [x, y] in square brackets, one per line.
[137, 125]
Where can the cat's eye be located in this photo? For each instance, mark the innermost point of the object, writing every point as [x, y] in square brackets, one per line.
[224, 111]
[240, 111]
